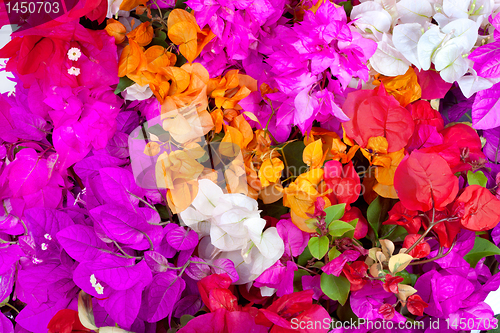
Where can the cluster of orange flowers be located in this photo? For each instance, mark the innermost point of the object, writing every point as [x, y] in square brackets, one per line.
[195, 106]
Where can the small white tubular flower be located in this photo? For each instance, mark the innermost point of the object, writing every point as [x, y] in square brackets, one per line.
[93, 280]
[97, 286]
[44, 246]
[99, 289]
[74, 53]
[74, 71]
[47, 237]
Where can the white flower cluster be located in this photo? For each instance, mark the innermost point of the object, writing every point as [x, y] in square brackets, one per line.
[406, 34]
[98, 287]
[230, 226]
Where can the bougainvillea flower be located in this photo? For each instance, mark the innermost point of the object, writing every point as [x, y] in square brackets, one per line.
[361, 226]
[424, 180]
[461, 147]
[447, 229]
[416, 305]
[331, 144]
[391, 283]
[66, 321]
[142, 34]
[185, 32]
[336, 265]
[478, 208]
[225, 313]
[327, 26]
[422, 250]
[387, 165]
[295, 240]
[356, 274]
[453, 302]
[278, 277]
[432, 85]
[366, 302]
[375, 114]
[423, 114]
[404, 88]
[297, 307]
[235, 230]
[49, 63]
[343, 181]
[33, 179]
[301, 196]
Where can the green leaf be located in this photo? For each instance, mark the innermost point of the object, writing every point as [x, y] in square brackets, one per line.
[333, 253]
[406, 276]
[335, 287]
[180, 60]
[373, 215]
[5, 301]
[185, 319]
[123, 84]
[347, 7]
[476, 178]
[482, 248]
[318, 246]
[393, 232]
[180, 4]
[161, 35]
[304, 257]
[312, 223]
[292, 153]
[350, 234]
[159, 41]
[414, 278]
[377, 213]
[334, 212]
[163, 211]
[318, 264]
[275, 209]
[338, 228]
[297, 279]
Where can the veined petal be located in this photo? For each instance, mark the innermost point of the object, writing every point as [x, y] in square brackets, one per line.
[450, 63]
[428, 44]
[405, 38]
[208, 196]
